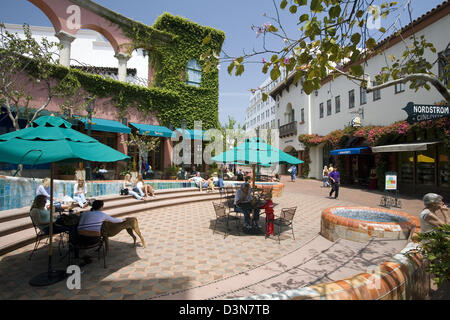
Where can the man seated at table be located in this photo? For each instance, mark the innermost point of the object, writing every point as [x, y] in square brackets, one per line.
[243, 203]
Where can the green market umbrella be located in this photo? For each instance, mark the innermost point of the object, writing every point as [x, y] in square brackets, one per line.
[51, 139]
[255, 151]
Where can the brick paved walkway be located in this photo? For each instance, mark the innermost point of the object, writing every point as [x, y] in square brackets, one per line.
[181, 252]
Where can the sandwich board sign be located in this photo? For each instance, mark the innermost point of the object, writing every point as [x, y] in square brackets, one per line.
[391, 181]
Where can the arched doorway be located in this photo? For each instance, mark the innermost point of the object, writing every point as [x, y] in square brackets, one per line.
[291, 151]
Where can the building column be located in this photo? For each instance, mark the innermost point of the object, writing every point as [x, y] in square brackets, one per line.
[65, 39]
[168, 153]
[122, 59]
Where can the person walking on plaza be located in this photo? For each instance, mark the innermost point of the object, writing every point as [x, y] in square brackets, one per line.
[325, 177]
[334, 179]
[293, 171]
[435, 214]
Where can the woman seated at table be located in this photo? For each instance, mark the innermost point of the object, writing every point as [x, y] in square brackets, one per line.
[41, 216]
[90, 225]
[91, 222]
[128, 185]
[79, 193]
[143, 189]
[243, 203]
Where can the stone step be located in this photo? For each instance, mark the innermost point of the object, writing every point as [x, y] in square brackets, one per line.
[24, 233]
[8, 215]
[131, 201]
[22, 220]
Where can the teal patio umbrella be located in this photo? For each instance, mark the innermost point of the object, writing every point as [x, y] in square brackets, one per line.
[51, 139]
[255, 151]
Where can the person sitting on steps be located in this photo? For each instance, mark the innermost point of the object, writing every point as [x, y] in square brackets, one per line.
[128, 185]
[143, 189]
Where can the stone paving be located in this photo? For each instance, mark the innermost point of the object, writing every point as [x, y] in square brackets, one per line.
[182, 252]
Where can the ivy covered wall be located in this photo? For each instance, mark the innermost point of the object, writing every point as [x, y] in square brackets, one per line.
[170, 60]
[171, 42]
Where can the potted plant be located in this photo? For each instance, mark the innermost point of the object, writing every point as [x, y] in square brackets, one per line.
[171, 172]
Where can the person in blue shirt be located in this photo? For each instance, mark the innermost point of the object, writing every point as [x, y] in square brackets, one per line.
[334, 179]
[293, 169]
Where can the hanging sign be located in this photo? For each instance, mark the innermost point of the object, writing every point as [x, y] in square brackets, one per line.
[391, 181]
[356, 122]
[424, 112]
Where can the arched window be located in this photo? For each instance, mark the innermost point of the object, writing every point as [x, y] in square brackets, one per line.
[194, 73]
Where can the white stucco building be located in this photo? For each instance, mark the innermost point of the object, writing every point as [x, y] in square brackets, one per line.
[340, 100]
[91, 49]
[262, 114]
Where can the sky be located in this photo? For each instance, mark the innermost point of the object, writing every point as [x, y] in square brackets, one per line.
[234, 17]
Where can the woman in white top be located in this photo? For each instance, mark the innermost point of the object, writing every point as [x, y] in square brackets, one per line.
[44, 190]
[142, 189]
[79, 193]
[435, 213]
[325, 177]
[128, 184]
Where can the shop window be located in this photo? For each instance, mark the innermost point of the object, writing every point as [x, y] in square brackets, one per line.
[194, 73]
[406, 166]
[425, 168]
[444, 166]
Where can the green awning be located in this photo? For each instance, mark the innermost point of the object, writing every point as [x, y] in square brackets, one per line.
[152, 130]
[98, 124]
[194, 134]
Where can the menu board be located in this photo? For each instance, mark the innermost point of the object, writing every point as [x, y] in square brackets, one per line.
[391, 181]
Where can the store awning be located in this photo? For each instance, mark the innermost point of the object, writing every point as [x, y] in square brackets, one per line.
[342, 152]
[403, 147]
[151, 130]
[106, 125]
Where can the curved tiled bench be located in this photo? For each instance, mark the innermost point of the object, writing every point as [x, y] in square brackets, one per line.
[403, 277]
[335, 224]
